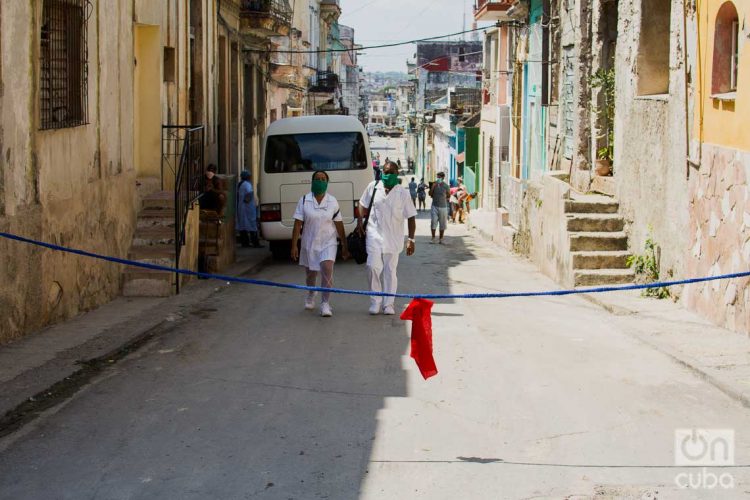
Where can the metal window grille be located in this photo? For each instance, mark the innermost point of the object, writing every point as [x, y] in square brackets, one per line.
[63, 85]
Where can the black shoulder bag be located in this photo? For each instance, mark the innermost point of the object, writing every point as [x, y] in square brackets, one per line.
[357, 241]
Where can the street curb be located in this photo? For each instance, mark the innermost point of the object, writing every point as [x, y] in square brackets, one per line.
[685, 361]
[63, 379]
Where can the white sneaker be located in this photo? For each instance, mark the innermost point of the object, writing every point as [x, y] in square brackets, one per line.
[389, 311]
[310, 302]
[374, 309]
[325, 310]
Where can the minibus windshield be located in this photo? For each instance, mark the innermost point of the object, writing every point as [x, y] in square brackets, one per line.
[316, 151]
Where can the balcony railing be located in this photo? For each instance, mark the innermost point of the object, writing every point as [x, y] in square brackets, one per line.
[324, 81]
[273, 16]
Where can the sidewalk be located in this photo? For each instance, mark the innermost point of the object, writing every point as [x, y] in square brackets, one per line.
[717, 355]
[49, 364]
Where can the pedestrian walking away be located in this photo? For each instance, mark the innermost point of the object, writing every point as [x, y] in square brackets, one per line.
[389, 207]
[440, 194]
[247, 212]
[422, 194]
[318, 220]
[413, 191]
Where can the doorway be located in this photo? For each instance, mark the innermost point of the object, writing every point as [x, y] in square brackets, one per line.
[147, 101]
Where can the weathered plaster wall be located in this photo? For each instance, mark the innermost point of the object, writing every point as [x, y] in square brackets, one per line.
[719, 235]
[71, 186]
[542, 236]
[650, 161]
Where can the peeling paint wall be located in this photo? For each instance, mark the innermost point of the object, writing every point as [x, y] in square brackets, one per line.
[650, 161]
[71, 186]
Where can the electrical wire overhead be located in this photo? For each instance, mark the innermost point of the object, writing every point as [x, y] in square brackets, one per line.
[382, 46]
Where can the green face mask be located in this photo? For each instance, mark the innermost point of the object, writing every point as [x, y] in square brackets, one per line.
[319, 187]
[389, 180]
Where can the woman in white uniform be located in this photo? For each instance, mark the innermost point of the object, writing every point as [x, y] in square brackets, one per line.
[320, 214]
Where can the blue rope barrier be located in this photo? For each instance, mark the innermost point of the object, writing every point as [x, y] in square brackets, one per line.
[344, 291]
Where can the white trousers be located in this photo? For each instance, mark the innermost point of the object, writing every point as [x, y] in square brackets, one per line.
[381, 270]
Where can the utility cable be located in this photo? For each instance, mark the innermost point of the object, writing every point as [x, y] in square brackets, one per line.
[381, 46]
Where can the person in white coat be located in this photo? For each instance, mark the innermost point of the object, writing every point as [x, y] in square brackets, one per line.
[320, 214]
[391, 206]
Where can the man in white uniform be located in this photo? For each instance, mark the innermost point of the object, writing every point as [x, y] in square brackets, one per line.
[385, 234]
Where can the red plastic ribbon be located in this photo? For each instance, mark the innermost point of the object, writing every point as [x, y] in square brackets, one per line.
[418, 312]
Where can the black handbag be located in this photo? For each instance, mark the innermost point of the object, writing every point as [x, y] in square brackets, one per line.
[357, 241]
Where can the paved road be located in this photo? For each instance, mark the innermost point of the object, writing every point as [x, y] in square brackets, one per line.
[389, 147]
[252, 397]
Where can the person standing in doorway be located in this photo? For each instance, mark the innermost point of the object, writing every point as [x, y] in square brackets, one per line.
[390, 204]
[321, 216]
[247, 213]
[413, 191]
[440, 194]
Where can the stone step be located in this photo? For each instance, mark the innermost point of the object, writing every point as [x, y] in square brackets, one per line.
[154, 235]
[600, 260]
[595, 223]
[598, 242]
[160, 199]
[136, 273]
[151, 217]
[163, 255]
[594, 277]
[591, 207]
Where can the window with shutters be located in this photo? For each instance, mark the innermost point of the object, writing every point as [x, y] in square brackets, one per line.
[726, 50]
[63, 65]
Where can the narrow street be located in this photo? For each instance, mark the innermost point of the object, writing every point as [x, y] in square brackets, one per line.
[253, 397]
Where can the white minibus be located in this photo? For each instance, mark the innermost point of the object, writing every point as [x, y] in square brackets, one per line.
[292, 150]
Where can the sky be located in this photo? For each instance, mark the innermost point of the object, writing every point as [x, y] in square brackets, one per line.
[385, 21]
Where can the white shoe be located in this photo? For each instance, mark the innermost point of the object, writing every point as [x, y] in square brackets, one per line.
[374, 309]
[310, 302]
[389, 311]
[325, 310]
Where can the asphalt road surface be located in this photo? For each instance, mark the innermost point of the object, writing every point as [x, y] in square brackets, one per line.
[253, 397]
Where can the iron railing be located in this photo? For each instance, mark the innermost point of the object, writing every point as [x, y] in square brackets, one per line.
[182, 161]
[278, 9]
[324, 81]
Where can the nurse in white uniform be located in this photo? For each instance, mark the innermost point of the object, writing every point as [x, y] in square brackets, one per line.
[319, 213]
[392, 206]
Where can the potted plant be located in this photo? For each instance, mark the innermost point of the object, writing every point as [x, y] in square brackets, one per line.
[605, 79]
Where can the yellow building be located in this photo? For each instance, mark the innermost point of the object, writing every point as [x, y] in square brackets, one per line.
[719, 179]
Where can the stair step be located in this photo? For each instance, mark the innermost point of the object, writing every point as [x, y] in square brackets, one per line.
[162, 255]
[154, 235]
[594, 277]
[158, 213]
[592, 242]
[591, 207]
[595, 223]
[600, 260]
[136, 273]
[160, 199]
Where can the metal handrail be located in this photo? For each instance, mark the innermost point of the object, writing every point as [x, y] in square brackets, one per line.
[188, 178]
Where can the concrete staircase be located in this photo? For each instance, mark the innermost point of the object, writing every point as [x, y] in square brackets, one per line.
[598, 243]
[153, 243]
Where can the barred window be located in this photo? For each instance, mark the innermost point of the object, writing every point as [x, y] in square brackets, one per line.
[63, 68]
